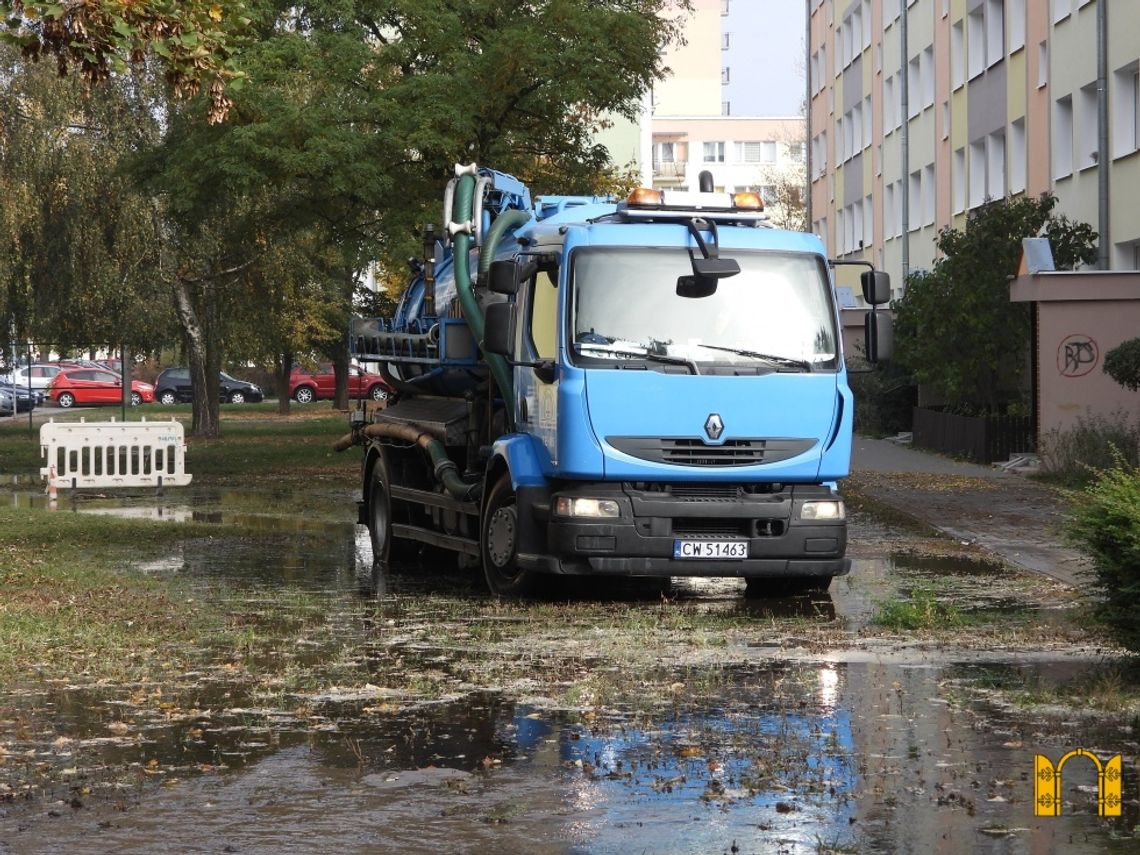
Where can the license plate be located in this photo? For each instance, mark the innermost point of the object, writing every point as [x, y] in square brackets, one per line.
[710, 549]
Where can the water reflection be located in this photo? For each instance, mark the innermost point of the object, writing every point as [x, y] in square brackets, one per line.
[852, 756]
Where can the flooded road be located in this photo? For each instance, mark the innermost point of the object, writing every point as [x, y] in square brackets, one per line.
[402, 710]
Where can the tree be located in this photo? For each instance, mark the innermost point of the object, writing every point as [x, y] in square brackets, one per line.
[76, 244]
[356, 112]
[193, 39]
[956, 328]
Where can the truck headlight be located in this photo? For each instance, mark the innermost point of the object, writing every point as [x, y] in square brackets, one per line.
[831, 509]
[570, 506]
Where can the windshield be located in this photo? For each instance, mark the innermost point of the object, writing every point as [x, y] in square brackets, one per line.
[776, 314]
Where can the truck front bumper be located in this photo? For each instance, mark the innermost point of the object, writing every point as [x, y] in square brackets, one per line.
[652, 519]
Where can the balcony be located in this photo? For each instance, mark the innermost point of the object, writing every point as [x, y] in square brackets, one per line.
[669, 170]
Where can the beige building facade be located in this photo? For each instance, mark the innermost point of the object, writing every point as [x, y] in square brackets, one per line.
[922, 110]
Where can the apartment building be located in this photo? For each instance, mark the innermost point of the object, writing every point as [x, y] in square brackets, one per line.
[722, 109]
[922, 110]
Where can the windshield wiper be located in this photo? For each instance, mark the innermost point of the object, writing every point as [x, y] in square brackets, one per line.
[614, 347]
[789, 361]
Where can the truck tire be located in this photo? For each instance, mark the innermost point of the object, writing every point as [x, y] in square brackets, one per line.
[380, 512]
[498, 544]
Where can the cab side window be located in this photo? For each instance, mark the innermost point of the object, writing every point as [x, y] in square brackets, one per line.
[543, 326]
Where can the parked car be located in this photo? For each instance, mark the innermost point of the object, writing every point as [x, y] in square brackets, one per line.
[41, 375]
[307, 386]
[17, 399]
[173, 386]
[73, 386]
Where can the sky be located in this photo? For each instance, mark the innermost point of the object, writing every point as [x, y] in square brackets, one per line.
[765, 57]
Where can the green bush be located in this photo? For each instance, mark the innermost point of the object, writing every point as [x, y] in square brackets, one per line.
[1107, 525]
[1122, 364]
[1094, 443]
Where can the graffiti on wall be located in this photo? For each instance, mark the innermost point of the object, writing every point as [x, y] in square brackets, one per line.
[1077, 355]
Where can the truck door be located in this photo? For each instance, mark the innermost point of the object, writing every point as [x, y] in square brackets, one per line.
[538, 340]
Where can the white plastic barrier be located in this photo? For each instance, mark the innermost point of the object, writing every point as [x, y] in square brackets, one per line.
[113, 454]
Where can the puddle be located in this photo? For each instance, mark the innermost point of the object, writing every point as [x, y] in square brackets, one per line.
[947, 565]
[853, 756]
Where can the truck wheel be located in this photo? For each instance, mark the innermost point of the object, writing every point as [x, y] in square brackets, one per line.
[766, 587]
[304, 395]
[498, 543]
[380, 512]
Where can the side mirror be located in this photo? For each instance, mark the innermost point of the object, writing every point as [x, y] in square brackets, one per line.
[504, 277]
[876, 287]
[499, 327]
[507, 274]
[879, 335]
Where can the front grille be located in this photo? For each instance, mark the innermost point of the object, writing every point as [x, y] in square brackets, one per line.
[712, 528]
[694, 451]
[706, 492]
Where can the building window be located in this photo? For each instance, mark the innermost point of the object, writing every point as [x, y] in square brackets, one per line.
[1086, 141]
[889, 217]
[1062, 9]
[1015, 24]
[926, 76]
[1126, 110]
[977, 173]
[795, 151]
[1018, 155]
[724, 76]
[1063, 137]
[890, 108]
[957, 55]
[726, 108]
[714, 152]
[928, 185]
[914, 93]
[959, 181]
[995, 165]
[914, 199]
[725, 41]
[976, 43]
[664, 152]
[995, 32]
[756, 152]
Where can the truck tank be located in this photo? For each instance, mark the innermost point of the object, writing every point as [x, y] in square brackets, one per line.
[428, 346]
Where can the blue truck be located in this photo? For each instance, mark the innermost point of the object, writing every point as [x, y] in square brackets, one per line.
[649, 387]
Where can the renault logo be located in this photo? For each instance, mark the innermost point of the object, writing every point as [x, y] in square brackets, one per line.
[714, 427]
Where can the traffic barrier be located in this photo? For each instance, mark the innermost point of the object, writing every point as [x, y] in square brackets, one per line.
[113, 454]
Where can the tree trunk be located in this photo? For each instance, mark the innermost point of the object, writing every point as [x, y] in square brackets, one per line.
[205, 420]
[281, 371]
[339, 353]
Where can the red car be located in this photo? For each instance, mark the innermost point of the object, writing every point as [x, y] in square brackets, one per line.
[81, 386]
[307, 386]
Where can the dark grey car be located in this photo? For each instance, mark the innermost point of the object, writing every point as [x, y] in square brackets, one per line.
[173, 387]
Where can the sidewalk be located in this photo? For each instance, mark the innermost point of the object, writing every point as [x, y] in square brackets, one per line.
[1010, 515]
